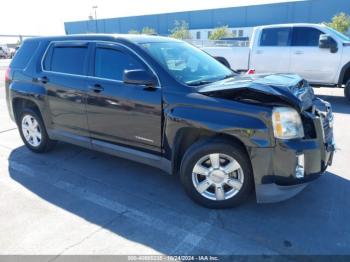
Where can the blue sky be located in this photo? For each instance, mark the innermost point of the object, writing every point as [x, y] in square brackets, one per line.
[46, 17]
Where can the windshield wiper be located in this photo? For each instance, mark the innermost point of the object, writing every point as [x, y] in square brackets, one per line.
[229, 76]
[199, 83]
[204, 82]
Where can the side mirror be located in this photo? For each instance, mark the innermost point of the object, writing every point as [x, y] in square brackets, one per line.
[327, 42]
[139, 77]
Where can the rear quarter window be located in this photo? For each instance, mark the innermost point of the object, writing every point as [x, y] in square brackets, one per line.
[24, 54]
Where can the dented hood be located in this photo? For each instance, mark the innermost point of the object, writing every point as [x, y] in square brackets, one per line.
[270, 89]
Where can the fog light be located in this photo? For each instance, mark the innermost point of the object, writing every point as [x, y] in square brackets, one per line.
[299, 170]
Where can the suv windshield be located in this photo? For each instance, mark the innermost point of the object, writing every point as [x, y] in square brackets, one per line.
[186, 63]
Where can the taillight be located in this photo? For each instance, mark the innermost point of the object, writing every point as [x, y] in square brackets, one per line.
[7, 74]
[251, 72]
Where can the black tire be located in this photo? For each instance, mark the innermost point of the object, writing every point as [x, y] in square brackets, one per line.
[200, 150]
[46, 144]
[347, 91]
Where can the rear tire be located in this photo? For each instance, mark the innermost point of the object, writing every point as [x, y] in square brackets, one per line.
[347, 91]
[217, 174]
[33, 131]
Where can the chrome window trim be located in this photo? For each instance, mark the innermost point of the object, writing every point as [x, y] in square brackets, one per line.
[111, 43]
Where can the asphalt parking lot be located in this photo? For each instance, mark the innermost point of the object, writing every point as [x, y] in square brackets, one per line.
[76, 201]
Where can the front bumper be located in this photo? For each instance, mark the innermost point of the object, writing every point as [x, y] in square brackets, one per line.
[275, 169]
[271, 193]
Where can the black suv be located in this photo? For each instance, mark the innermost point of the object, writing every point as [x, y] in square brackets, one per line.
[165, 103]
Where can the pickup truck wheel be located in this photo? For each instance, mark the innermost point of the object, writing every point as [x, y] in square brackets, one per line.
[347, 91]
[216, 174]
[33, 132]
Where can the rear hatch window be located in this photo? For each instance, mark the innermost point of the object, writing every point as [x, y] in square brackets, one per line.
[24, 54]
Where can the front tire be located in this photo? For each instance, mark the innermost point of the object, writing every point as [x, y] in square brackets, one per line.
[217, 174]
[33, 131]
[347, 91]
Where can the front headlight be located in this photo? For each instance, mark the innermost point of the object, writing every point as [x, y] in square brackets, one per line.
[287, 123]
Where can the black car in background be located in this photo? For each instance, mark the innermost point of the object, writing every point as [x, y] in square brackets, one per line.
[165, 103]
[4, 52]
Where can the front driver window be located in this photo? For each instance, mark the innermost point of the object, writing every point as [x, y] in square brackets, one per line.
[306, 36]
[111, 63]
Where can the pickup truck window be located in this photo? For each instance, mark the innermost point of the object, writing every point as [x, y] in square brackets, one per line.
[305, 36]
[67, 59]
[186, 63]
[111, 63]
[275, 37]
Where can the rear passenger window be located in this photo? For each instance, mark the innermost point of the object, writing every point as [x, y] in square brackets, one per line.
[111, 63]
[68, 59]
[305, 36]
[275, 37]
[24, 54]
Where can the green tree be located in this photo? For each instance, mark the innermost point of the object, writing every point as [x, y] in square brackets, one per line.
[148, 31]
[133, 31]
[180, 30]
[220, 32]
[340, 22]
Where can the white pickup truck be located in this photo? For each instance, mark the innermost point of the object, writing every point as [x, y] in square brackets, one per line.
[316, 52]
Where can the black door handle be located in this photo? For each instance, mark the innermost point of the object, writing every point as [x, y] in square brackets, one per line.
[43, 79]
[97, 88]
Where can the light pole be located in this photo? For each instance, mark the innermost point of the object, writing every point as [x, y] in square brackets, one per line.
[95, 9]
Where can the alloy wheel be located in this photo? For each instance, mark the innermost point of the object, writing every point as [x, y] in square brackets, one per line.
[217, 176]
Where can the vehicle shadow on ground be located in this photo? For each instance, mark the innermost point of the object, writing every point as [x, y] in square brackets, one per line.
[144, 205]
[339, 104]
